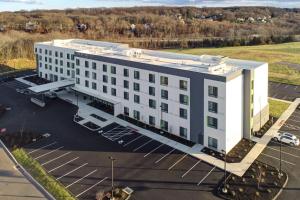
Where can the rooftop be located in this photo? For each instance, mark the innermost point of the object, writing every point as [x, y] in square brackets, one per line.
[217, 65]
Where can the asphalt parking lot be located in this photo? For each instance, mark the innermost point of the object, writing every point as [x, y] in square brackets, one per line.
[78, 158]
[290, 157]
[284, 91]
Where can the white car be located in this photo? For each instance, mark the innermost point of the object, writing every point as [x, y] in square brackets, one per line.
[287, 138]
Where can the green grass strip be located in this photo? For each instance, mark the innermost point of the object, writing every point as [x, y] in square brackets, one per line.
[38, 172]
[277, 107]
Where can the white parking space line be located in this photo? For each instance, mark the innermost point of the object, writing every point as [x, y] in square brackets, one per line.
[111, 129]
[78, 195]
[293, 120]
[72, 171]
[49, 161]
[142, 145]
[153, 150]
[183, 175]
[278, 159]
[295, 148]
[42, 147]
[286, 86]
[206, 175]
[81, 178]
[297, 117]
[283, 152]
[178, 161]
[45, 154]
[63, 164]
[132, 140]
[165, 156]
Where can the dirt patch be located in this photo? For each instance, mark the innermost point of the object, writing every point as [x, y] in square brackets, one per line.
[19, 139]
[265, 127]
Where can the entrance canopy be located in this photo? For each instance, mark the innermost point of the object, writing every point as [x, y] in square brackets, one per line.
[51, 86]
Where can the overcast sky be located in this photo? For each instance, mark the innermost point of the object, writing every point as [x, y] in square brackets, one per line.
[13, 5]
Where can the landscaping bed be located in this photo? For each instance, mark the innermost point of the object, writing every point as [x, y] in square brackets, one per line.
[265, 127]
[91, 125]
[119, 194]
[260, 182]
[77, 118]
[157, 130]
[19, 139]
[37, 80]
[236, 154]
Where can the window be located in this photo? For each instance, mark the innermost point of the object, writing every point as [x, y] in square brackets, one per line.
[86, 83]
[125, 72]
[183, 85]
[68, 73]
[72, 57]
[113, 92]
[40, 64]
[136, 115]
[77, 62]
[164, 107]
[152, 103]
[46, 51]
[56, 61]
[184, 99]
[212, 122]
[113, 81]
[113, 69]
[61, 63]
[212, 143]
[68, 64]
[46, 59]
[136, 87]
[164, 94]
[77, 71]
[68, 56]
[164, 125]
[252, 84]
[86, 64]
[104, 89]
[77, 80]
[50, 67]
[50, 60]
[61, 70]
[104, 68]
[41, 50]
[40, 57]
[46, 66]
[212, 91]
[126, 111]
[212, 107]
[87, 74]
[183, 132]
[104, 79]
[94, 75]
[136, 98]
[151, 78]
[183, 113]
[73, 65]
[35, 50]
[56, 69]
[163, 80]
[126, 84]
[56, 54]
[136, 75]
[126, 95]
[61, 54]
[152, 91]
[152, 120]
[94, 86]
[94, 65]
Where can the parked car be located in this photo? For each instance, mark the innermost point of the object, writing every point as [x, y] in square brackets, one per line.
[287, 138]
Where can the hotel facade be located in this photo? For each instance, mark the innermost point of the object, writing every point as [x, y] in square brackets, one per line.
[211, 100]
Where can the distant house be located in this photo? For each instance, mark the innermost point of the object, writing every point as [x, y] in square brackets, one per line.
[31, 26]
[2, 28]
[240, 20]
[251, 20]
[132, 27]
[81, 27]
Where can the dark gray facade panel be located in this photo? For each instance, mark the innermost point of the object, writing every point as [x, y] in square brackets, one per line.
[247, 98]
[196, 88]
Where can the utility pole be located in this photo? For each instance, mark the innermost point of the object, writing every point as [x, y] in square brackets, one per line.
[112, 176]
[280, 170]
[224, 189]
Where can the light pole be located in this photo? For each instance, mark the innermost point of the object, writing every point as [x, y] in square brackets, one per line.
[224, 189]
[112, 176]
[280, 170]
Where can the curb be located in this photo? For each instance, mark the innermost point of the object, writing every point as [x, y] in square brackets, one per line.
[280, 191]
[26, 174]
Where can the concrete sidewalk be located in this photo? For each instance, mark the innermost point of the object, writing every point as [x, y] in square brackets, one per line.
[13, 184]
[236, 168]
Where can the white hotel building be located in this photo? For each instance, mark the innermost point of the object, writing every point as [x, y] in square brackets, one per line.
[212, 100]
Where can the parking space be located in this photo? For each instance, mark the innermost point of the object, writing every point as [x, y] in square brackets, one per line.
[290, 157]
[14, 84]
[284, 91]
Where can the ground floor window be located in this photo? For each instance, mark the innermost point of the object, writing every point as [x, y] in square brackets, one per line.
[183, 132]
[136, 115]
[126, 111]
[152, 120]
[164, 125]
[212, 142]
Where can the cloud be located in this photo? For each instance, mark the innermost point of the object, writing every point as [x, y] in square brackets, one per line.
[22, 1]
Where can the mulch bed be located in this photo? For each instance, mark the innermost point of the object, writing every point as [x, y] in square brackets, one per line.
[37, 80]
[266, 127]
[119, 194]
[157, 130]
[91, 125]
[236, 154]
[17, 139]
[260, 182]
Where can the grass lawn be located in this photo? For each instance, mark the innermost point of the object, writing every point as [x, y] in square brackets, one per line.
[277, 107]
[37, 171]
[279, 56]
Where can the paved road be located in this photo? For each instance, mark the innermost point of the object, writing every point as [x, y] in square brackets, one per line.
[284, 91]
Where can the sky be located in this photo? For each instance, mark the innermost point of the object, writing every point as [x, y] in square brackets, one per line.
[14, 5]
